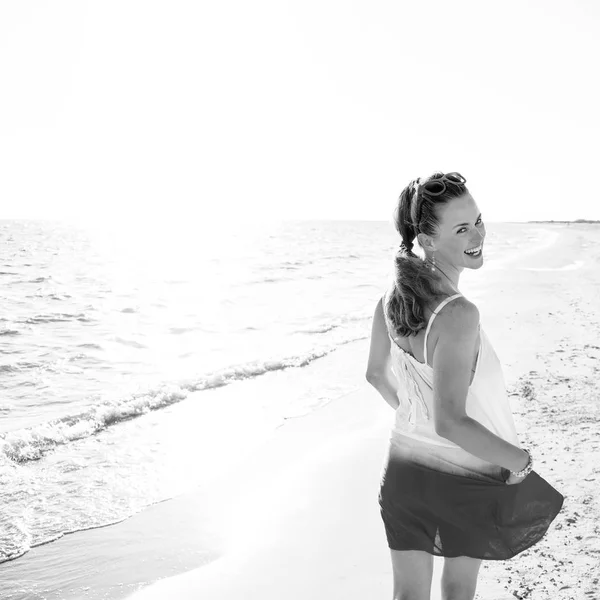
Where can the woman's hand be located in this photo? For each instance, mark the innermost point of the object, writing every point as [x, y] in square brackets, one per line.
[512, 479]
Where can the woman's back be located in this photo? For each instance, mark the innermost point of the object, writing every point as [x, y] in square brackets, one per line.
[486, 402]
[421, 346]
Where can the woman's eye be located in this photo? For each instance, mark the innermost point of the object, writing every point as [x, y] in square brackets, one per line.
[478, 222]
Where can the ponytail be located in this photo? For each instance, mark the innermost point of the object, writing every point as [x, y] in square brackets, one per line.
[414, 286]
[405, 220]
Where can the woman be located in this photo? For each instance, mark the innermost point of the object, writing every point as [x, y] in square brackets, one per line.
[455, 482]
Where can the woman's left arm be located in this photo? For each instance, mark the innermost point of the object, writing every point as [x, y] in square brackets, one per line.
[379, 372]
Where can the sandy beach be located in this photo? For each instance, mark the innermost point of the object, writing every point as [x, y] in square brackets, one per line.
[298, 517]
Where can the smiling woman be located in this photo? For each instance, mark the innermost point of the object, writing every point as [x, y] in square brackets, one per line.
[446, 487]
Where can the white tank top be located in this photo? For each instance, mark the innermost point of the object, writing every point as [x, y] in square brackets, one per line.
[487, 400]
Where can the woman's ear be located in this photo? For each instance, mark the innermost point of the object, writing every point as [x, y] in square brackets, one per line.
[426, 242]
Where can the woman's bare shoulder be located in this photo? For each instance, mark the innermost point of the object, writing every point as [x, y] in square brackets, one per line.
[459, 315]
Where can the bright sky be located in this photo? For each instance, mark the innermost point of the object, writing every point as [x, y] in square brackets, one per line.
[199, 111]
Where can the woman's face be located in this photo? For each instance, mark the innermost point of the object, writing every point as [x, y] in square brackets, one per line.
[460, 229]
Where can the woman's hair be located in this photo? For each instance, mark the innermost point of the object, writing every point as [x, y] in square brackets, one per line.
[414, 283]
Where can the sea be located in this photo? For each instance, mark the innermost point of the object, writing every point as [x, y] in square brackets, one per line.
[114, 341]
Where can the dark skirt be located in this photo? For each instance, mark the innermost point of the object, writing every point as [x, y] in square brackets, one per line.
[466, 514]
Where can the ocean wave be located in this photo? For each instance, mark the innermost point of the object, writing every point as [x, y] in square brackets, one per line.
[51, 295]
[180, 330]
[32, 443]
[340, 257]
[19, 366]
[56, 318]
[321, 328]
[81, 356]
[131, 343]
[23, 445]
[334, 324]
[254, 369]
[270, 280]
[23, 365]
[296, 263]
[9, 332]
[62, 296]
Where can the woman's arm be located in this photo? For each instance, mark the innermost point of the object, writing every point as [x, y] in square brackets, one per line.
[452, 360]
[379, 373]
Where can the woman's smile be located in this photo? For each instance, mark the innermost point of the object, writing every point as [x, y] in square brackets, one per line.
[476, 251]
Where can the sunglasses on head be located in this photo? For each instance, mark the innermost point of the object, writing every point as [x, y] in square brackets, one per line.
[436, 187]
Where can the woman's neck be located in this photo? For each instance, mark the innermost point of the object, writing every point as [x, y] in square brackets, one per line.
[449, 275]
